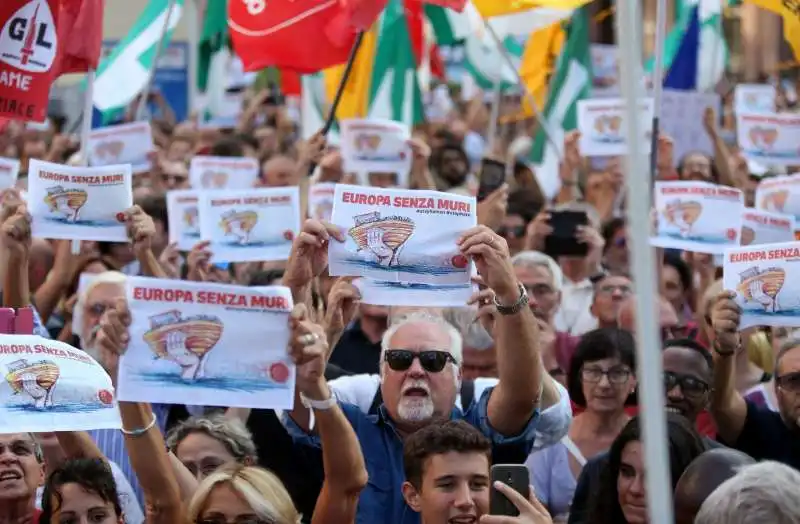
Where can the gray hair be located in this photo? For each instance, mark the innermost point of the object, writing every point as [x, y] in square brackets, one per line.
[37, 448]
[230, 432]
[531, 259]
[423, 317]
[473, 333]
[88, 282]
[764, 492]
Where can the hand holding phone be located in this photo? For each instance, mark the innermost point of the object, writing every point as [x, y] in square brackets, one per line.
[529, 509]
[491, 178]
[563, 241]
[508, 479]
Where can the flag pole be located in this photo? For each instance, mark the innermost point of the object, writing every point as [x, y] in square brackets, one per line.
[86, 129]
[649, 365]
[348, 68]
[142, 104]
[545, 125]
[495, 113]
[658, 84]
[193, 36]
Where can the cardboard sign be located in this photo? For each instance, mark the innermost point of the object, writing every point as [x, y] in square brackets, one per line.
[28, 50]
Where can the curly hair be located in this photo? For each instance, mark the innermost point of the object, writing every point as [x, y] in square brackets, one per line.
[230, 432]
[92, 475]
[685, 445]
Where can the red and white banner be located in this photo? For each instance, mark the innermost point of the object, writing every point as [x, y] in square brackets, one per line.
[28, 51]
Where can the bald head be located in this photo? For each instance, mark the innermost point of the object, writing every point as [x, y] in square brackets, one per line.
[627, 314]
[279, 171]
[704, 475]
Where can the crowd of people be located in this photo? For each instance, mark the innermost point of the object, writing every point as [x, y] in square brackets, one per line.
[400, 412]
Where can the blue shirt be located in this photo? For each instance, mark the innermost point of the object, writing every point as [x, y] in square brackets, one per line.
[382, 500]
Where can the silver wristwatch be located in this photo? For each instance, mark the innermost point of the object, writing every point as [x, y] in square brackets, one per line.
[517, 306]
[318, 405]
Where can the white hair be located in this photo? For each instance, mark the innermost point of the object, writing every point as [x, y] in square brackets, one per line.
[88, 283]
[764, 492]
[531, 259]
[423, 317]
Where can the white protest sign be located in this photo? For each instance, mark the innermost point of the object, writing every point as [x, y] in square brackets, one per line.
[770, 139]
[602, 126]
[382, 293]
[762, 227]
[206, 344]
[250, 225]
[9, 171]
[184, 224]
[698, 216]
[605, 70]
[122, 144]
[212, 172]
[320, 201]
[780, 194]
[81, 203]
[682, 120]
[50, 386]
[754, 98]
[376, 146]
[766, 280]
[401, 235]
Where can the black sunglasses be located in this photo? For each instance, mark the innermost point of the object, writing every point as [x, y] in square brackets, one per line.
[431, 361]
[691, 387]
[514, 231]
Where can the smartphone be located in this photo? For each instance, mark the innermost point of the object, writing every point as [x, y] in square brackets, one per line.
[492, 177]
[515, 476]
[562, 241]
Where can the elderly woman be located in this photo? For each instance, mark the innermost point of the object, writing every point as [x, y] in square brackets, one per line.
[203, 444]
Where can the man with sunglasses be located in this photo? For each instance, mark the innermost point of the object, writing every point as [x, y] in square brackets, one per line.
[755, 430]
[421, 357]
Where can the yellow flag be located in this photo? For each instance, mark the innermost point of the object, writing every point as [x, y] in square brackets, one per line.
[355, 97]
[790, 11]
[489, 8]
[538, 61]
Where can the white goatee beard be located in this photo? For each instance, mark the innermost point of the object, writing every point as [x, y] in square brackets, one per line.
[415, 409]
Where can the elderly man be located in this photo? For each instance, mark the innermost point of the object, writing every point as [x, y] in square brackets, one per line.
[21, 472]
[421, 371]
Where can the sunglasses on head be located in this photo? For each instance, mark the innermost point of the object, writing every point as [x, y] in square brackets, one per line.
[431, 361]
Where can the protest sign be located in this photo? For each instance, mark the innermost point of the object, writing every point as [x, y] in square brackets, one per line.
[9, 171]
[766, 280]
[399, 235]
[602, 126]
[605, 70]
[320, 201]
[249, 225]
[122, 144]
[769, 139]
[780, 194]
[376, 146]
[762, 227]
[212, 172]
[199, 343]
[184, 224]
[754, 98]
[81, 203]
[382, 293]
[28, 51]
[698, 216]
[682, 120]
[50, 386]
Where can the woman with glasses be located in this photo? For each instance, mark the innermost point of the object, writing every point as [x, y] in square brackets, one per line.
[601, 381]
[622, 496]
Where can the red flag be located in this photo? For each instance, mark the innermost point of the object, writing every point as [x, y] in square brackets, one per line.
[301, 35]
[28, 48]
[290, 83]
[80, 35]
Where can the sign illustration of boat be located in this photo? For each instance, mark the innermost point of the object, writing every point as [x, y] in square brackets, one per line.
[775, 200]
[608, 128]
[185, 341]
[762, 286]
[383, 237]
[367, 142]
[763, 137]
[239, 224]
[37, 379]
[214, 179]
[67, 202]
[748, 235]
[112, 149]
[683, 215]
[190, 221]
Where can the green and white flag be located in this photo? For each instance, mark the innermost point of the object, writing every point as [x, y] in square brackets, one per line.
[314, 108]
[394, 88]
[571, 82]
[213, 38]
[125, 72]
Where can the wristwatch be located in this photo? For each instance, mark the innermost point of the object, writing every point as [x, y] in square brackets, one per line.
[318, 405]
[517, 306]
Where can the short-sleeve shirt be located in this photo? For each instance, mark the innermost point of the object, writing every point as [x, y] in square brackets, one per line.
[765, 436]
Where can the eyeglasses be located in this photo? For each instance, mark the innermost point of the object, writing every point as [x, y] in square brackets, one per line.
[98, 309]
[431, 361]
[513, 232]
[539, 290]
[609, 289]
[789, 382]
[691, 387]
[616, 375]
